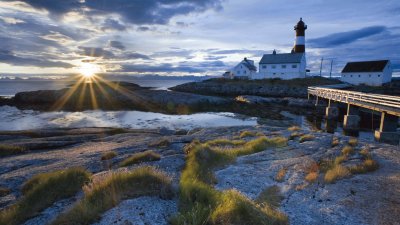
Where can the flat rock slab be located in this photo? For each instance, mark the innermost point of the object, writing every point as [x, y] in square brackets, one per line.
[140, 211]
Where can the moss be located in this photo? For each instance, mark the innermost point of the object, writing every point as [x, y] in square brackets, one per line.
[7, 149]
[41, 191]
[140, 157]
[101, 196]
[306, 137]
[108, 155]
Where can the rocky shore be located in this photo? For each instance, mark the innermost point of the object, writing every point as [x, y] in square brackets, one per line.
[367, 198]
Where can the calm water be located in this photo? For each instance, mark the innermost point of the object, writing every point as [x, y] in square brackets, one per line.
[11, 87]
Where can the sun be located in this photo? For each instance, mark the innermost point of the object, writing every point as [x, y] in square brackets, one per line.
[88, 70]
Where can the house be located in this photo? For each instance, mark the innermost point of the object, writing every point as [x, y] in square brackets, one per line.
[227, 75]
[372, 73]
[244, 70]
[284, 66]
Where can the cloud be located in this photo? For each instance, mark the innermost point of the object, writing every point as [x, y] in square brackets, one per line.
[345, 37]
[161, 68]
[238, 51]
[10, 58]
[95, 52]
[113, 25]
[117, 45]
[135, 55]
[136, 12]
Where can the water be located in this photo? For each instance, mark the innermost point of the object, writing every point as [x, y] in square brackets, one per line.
[12, 118]
[9, 88]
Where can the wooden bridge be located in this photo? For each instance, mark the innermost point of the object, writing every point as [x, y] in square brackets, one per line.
[387, 105]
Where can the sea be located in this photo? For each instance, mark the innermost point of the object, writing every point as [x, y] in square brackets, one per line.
[12, 118]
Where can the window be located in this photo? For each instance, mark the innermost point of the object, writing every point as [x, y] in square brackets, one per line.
[282, 73]
[359, 75]
[351, 75]
[370, 75]
[283, 66]
[273, 66]
[379, 75]
[264, 67]
[344, 75]
[245, 72]
[274, 73]
[294, 66]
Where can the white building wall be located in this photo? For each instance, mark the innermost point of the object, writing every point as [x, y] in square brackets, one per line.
[285, 71]
[241, 71]
[371, 79]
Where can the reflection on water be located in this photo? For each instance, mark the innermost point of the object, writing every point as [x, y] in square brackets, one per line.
[13, 119]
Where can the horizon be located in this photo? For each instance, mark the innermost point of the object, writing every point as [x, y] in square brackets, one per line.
[188, 37]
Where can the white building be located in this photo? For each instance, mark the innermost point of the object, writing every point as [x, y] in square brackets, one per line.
[372, 73]
[284, 66]
[244, 70]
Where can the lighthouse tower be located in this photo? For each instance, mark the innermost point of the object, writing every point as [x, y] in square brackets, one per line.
[300, 43]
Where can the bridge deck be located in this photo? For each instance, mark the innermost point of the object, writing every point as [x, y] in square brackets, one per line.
[382, 103]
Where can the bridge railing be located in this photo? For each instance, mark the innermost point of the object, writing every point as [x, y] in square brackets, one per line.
[357, 97]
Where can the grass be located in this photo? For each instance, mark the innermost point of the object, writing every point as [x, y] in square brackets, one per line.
[336, 173]
[295, 135]
[270, 196]
[6, 150]
[109, 192]
[4, 191]
[108, 155]
[161, 143]
[41, 191]
[348, 150]
[339, 159]
[311, 177]
[201, 203]
[369, 165]
[335, 141]
[306, 137]
[225, 142]
[280, 176]
[247, 133]
[294, 128]
[146, 156]
[353, 142]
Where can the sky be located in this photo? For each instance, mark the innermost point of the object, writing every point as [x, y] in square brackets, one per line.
[189, 37]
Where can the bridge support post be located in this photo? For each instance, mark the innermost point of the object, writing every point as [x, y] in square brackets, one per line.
[388, 129]
[351, 121]
[332, 111]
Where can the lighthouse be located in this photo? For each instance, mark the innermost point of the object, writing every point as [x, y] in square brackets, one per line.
[300, 43]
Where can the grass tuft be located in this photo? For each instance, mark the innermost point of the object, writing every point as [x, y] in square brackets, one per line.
[335, 141]
[336, 173]
[280, 176]
[295, 135]
[4, 191]
[41, 191]
[108, 155]
[369, 165]
[201, 203]
[311, 177]
[294, 128]
[163, 143]
[140, 157]
[6, 150]
[270, 196]
[247, 133]
[353, 142]
[347, 150]
[306, 137]
[107, 193]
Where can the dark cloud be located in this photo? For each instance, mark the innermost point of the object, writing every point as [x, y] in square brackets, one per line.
[143, 28]
[137, 12]
[12, 59]
[113, 25]
[162, 68]
[95, 52]
[345, 37]
[135, 55]
[211, 57]
[117, 45]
